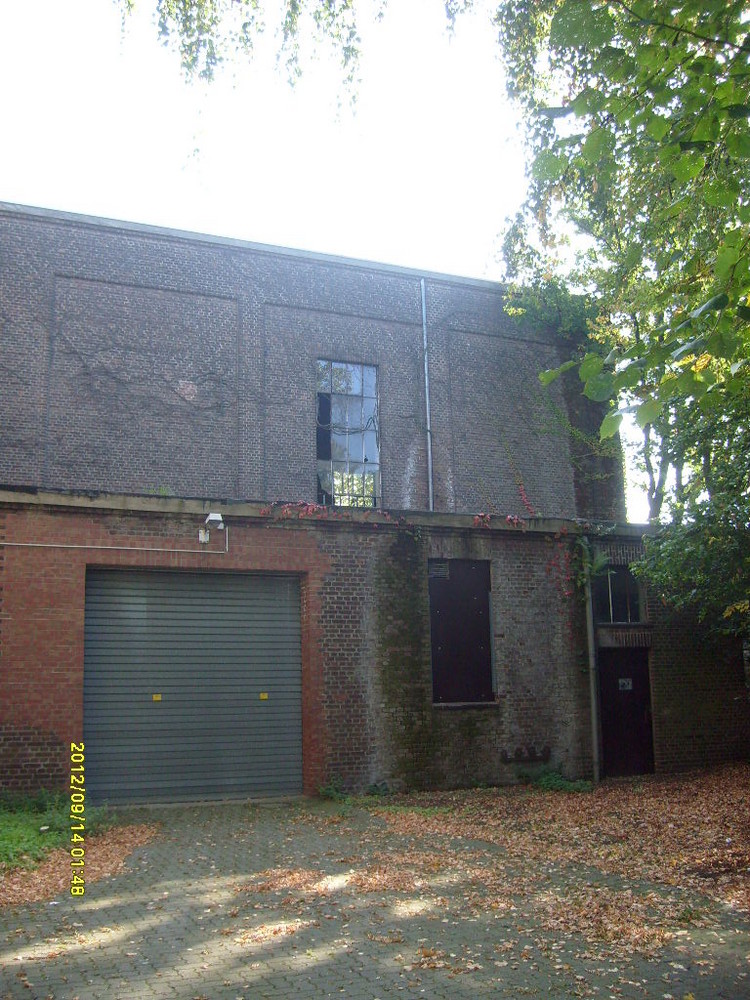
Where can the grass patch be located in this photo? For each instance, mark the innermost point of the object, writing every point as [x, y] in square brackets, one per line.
[32, 825]
[549, 780]
[333, 791]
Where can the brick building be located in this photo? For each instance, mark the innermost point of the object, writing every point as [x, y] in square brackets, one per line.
[271, 519]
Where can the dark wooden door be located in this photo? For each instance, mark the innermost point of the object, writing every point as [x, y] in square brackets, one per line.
[625, 701]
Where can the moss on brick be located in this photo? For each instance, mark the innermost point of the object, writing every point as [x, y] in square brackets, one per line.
[403, 660]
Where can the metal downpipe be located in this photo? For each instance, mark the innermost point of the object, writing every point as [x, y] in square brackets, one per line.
[430, 490]
[593, 673]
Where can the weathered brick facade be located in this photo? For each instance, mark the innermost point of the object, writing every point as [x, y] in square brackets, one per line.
[144, 368]
[367, 710]
[367, 705]
[700, 696]
[141, 361]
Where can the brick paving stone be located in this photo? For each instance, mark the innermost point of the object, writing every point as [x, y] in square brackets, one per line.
[193, 916]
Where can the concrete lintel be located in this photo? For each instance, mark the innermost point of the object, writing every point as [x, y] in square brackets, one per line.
[249, 509]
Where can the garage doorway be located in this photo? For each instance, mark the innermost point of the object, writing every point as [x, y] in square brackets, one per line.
[192, 686]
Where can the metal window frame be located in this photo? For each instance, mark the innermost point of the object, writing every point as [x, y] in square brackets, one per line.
[350, 497]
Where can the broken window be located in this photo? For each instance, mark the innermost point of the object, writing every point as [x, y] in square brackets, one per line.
[460, 631]
[617, 597]
[348, 435]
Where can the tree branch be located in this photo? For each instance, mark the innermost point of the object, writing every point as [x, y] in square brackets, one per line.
[744, 47]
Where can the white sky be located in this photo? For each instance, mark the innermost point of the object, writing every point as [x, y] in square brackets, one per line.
[423, 173]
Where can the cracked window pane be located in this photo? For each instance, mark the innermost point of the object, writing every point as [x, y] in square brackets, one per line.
[370, 413]
[354, 413]
[339, 410]
[346, 411]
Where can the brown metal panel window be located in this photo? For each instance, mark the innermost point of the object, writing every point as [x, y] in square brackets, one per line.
[348, 435]
[460, 631]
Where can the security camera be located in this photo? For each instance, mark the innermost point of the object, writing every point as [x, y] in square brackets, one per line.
[215, 520]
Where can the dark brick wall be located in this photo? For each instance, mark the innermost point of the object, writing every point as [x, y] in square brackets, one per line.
[142, 361]
[377, 706]
[700, 702]
[598, 466]
[131, 417]
[539, 645]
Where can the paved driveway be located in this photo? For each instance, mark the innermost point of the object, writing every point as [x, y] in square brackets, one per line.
[312, 899]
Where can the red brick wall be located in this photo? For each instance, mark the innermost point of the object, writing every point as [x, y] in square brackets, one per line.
[42, 625]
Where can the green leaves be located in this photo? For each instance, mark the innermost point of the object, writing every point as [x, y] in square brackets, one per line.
[738, 144]
[715, 303]
[654, 170]
[590, 367]
[650, 161]
[549, 166]
[648, 411]
[653, 167]
[597, 143]
[688, 166]
[588, 102]
[208, 33]
[576, 25]
[610, 425]
[657, 127]
[721, 192]
[549, 376]
[600, 387]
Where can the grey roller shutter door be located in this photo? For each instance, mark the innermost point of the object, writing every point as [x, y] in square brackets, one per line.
[192, 686]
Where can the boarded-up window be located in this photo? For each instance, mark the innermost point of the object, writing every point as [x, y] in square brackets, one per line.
[460, 631]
